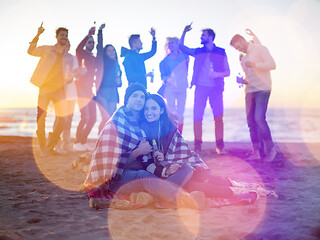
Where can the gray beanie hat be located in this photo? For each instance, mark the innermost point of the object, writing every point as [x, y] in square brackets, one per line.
[133, 87]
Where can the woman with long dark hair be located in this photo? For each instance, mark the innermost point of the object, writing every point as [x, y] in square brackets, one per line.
[173, 160]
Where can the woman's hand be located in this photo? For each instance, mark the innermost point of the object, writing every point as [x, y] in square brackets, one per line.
[102, 26]
[172, 169]
[158, 156]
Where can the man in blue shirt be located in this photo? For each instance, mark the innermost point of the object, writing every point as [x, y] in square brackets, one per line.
[134, 61]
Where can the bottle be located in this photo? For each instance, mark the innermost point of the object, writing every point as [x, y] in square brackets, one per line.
[152, 76]
[155, 146]
[67, 73]
[83, 68]
[239, 78]
[93, 31]
[155, 149]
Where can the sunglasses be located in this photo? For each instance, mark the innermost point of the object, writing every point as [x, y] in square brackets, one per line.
[90, 42]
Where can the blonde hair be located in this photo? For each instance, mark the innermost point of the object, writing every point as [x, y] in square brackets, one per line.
[170, 39]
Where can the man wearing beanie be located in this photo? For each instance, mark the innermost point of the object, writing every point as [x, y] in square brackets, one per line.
[114, 165]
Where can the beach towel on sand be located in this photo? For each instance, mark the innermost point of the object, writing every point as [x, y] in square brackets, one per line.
[107, 199]
[119, 137]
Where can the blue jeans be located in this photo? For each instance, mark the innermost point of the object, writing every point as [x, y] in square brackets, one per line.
[215, 96]
[141, 180]
[182, 176]
[256, 108]
[88, 119]
[176, 102]
[58, 98]
[204, 181]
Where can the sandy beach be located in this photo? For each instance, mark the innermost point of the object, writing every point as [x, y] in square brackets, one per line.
[40, 199]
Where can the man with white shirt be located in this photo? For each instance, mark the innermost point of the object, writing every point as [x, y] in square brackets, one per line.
[257, 63]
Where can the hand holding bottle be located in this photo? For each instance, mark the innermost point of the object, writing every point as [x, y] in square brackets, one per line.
[68, 75]
[159, 156]
[92, 30]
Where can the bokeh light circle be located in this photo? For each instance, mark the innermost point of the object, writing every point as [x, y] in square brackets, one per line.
[151, 222]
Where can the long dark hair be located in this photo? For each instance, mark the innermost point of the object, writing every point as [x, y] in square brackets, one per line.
[105, 56]
[166, 118]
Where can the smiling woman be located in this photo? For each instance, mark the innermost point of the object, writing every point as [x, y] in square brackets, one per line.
[152, 110]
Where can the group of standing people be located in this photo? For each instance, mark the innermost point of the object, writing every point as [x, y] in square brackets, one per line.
[88, 79]
[140, 147]
[65, 79]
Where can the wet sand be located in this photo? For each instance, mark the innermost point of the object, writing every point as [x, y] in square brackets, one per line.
[40, 199]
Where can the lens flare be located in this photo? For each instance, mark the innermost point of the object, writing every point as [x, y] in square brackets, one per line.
[58, 169]
[68, 171]
[232, 222]
[152, 221]
[188, 220]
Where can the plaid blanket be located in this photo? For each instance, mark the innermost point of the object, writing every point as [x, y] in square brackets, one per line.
[119, 137]
[178, 152]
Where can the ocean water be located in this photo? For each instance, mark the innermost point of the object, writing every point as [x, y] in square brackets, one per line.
[286, 125]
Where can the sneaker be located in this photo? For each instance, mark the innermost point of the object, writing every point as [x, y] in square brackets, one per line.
[120, 204]
[99, 203]
[54, 152]
[251, 186]
[194, 200]
[67, 147]
[79, 147]
[44, 153]
[271, 154]
[185, 200]
[254, 156]
[59, 150]
[88, 147]
[200, 199]
[221, 151]
[249, 197]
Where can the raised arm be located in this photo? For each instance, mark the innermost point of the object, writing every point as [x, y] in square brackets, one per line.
[33, 49]
[80, 49]
[100, 41]
[182, 47]
[255, 39]
[153, 50]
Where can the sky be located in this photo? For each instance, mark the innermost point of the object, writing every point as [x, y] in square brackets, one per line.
[290, 29]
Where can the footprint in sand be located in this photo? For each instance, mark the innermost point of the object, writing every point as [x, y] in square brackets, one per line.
[34, 220]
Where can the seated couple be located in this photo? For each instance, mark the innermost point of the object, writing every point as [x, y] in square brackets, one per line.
[141, 150]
